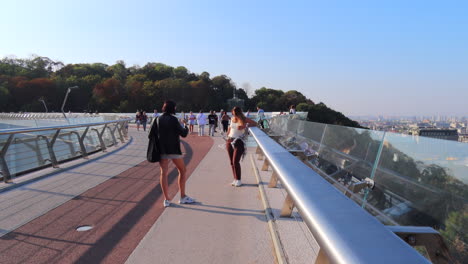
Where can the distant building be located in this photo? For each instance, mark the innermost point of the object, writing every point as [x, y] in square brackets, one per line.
[448, 134]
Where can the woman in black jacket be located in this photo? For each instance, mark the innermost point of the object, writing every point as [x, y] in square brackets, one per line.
[169, 130]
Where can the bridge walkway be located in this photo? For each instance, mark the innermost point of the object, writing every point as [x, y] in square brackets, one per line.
[118, 194]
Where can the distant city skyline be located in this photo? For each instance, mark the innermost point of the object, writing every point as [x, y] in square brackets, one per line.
[360, 58]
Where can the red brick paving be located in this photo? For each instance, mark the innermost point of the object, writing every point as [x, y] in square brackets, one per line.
[122, 210]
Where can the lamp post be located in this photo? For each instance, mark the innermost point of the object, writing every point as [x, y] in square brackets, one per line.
[45, 106]
[65, 99]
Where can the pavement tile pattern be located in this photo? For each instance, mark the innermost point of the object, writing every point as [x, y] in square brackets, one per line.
[119, 195]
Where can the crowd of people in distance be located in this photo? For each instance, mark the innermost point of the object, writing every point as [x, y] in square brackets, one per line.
[167, 128]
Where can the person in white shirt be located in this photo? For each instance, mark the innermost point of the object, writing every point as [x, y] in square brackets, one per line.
[235, 144]
[201, 119]
[191, 119]
[292, 110]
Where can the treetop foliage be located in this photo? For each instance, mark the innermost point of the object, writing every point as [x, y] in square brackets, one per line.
[118, 88]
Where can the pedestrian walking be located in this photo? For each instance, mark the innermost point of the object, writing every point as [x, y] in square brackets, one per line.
[212, 123]
[201, 120]
[138, 120]
[169, 131]
[144, 120]
[191, 121]
[225, 121]
[235, 143]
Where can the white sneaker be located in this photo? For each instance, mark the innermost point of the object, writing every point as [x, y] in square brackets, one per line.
[233, 183]
[166, 203]
[238, 183]
[186, 200]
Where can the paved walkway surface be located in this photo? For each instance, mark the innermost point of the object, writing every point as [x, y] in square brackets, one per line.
[118, 194]
[120, 197]
[298, 244]
[226, 225]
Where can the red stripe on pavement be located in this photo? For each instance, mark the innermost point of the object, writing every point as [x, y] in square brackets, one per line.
[121, 209]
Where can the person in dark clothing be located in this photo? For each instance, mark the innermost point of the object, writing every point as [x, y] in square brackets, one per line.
[170, 131]
[144, 120]
[212, 123]
[225, 121]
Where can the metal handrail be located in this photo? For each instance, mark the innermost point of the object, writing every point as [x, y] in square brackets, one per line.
[120, 127]
[345, 232]
[38, 129]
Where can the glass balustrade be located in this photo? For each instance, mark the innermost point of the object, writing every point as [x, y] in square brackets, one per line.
[400, 179]
[52, 141]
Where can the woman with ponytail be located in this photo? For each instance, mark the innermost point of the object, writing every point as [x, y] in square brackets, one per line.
[235, 144]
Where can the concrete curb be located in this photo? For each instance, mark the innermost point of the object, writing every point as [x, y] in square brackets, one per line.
[279, 252]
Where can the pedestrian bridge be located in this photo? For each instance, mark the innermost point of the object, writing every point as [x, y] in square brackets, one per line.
[308, 196]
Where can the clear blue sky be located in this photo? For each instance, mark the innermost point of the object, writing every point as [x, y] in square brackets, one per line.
[358, 57]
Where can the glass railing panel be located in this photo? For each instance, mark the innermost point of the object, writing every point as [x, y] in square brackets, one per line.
[309, 137]
[289, 137]
[91, 141]
[425, 183]
[107, 136]
[67, 145]
[278, 126]
[312, 131]
[27, 151]
[347, 155]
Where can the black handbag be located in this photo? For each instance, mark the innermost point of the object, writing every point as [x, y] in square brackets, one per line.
[153, 153]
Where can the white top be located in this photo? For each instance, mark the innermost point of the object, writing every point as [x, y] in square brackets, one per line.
[235, 132]
[201, 119]
[156, 114]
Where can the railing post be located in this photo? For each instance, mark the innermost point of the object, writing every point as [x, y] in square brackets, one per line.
[374, 168]
[82, 145]
[322, 258]
[118, 126]
[112, 132]
[260, 153]
[321, 140]
[274, 180]
[125, 129]
[80, 141]
[103, 130]
[50, 147]
[3, 163]
[288, 207]
[265, 165]
[101, 141]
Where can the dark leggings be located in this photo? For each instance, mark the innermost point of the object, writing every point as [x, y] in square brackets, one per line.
[235, 155]
[225, 125]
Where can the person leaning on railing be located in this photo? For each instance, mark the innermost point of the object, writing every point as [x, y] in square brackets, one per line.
[260, 116]
[235, 143]
[170, 131]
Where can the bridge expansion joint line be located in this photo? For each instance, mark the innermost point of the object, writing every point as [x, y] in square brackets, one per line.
[280, 255]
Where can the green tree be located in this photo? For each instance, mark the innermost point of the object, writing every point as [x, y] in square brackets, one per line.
[181, 73]
[292, 97]
[302, 107]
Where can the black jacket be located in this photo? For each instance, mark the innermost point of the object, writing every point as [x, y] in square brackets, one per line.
[169, 131]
